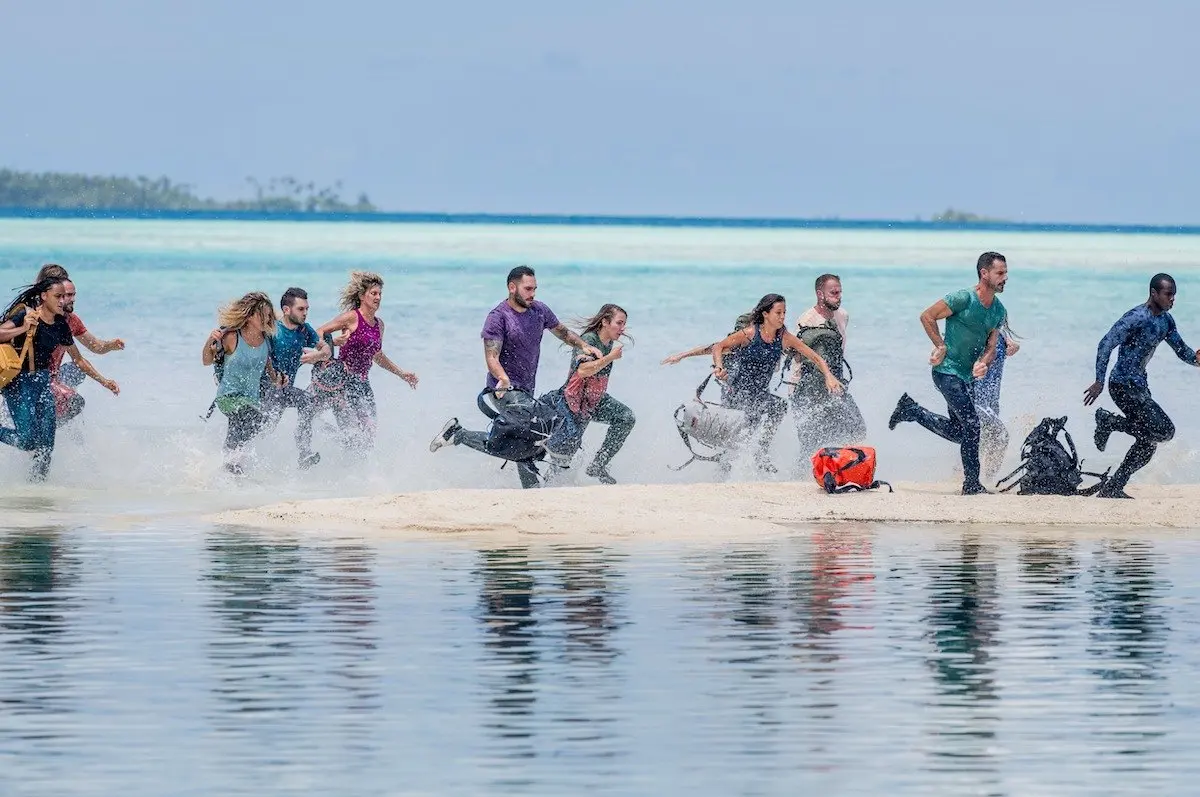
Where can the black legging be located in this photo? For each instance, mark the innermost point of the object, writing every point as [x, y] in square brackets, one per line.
[1145, 421]
[491, 406]
[960, 425]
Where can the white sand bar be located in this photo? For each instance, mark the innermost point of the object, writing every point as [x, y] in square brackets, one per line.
[708, 511]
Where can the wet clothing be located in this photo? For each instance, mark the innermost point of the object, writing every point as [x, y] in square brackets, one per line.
[986, 391]
[967, 332]
[358, 352]
[520, 337]
[491, 407]
[584, 400]
[29, 397]
[1136, 335]
[31, 407]
[278, 399]
[77, 327]
[823, 419]
[960, 425]
[289, 346]
[1145, 421]
[749, 388]
[241, 381]
[65, 378]
[46, 339]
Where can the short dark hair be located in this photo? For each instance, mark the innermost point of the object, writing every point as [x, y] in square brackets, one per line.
[291, 295]
[821, 280]
[986, 260]
[1160, 281]
[52, 270]
[519, 273]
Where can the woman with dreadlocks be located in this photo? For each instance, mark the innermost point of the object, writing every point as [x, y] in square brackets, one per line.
[242, 343]
[360, 338]
[35, 325]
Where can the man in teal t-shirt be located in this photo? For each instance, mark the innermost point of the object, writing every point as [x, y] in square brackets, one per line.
[296, 343]
[973, 320]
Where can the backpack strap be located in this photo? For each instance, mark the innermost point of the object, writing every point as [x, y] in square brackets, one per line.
[687, 442]
[852, 488]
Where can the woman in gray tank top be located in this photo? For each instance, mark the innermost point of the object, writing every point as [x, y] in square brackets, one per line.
[242, 345]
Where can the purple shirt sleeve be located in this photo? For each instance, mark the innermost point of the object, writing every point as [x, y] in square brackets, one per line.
[493, 326]
[550, 320]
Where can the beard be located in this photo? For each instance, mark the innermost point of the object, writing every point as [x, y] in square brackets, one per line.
[517, 298]
[831, 305]
[67, 309]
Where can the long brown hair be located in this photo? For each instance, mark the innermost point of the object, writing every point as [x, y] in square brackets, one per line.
[360, 283]
[607, 312]
[234, 315]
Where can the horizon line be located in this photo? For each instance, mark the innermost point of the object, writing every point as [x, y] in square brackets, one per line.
[594, 220]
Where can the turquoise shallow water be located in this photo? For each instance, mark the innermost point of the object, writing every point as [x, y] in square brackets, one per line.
[143, 650]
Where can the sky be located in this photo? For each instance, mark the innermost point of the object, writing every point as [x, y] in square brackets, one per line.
[871, 109]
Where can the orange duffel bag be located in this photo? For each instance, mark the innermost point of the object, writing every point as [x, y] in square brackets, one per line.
[840, 470]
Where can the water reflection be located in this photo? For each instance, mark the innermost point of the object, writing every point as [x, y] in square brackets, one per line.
[38, 575]
[1128, 637]
[292, 620]
[548, 622]
[962, 628]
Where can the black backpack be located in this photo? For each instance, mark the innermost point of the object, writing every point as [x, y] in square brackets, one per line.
[522, 426]
[1047, 466]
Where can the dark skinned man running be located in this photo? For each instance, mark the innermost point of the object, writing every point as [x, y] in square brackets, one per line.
[1135, 336]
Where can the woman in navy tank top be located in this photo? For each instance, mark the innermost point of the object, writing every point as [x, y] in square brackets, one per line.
[761, 348]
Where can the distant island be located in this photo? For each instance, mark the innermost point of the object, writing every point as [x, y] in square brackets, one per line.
[952, 216]
[65, 191]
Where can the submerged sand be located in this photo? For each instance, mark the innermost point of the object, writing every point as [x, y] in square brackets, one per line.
[708, 511]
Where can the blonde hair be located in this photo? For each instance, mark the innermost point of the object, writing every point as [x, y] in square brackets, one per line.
[360, 283]
[234, 315]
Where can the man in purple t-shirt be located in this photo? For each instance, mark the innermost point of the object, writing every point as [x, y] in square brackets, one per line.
[512, 346]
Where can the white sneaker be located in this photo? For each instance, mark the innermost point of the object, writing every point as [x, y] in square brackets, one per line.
[446, 436]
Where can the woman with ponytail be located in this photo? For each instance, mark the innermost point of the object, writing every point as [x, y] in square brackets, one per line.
[585, 397]
[37, 317]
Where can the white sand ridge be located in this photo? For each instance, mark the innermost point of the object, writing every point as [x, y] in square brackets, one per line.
[708, 511]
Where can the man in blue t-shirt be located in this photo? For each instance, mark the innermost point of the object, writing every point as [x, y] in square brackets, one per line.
[973, 319]
[512, 346]
[1136, 335]
[295, 344]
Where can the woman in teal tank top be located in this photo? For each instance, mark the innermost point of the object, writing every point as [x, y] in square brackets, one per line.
[242, 343]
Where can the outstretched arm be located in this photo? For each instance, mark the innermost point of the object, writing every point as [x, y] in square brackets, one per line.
[97, 346]
[336, 324]
[683, 355]
[1182, 351]
[90, 371]
[571, 339]
[386, 364]
[1119, 332]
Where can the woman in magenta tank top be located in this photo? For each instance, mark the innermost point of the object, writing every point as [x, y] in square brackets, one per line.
[360, 341]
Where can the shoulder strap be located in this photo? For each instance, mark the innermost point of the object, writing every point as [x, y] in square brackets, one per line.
[27, 348]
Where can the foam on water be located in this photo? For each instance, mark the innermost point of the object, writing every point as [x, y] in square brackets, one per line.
[157, 284]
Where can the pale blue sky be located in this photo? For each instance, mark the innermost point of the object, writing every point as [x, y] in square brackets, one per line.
[869, 109]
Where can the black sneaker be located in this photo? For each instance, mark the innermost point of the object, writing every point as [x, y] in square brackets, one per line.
[1104, 428]
[1118, 493]
[308, 460]
[903, 411]
[975, 489]
[446, 436]
[601, 473]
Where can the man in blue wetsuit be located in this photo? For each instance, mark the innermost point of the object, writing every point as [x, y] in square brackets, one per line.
[1136, 335]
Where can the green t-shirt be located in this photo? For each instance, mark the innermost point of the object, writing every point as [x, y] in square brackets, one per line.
[967, 332]
[593, 338]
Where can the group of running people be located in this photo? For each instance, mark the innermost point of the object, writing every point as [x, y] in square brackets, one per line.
[258, 353]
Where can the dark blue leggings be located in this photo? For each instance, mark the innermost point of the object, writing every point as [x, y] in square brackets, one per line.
[31, 405]
[962, 425]
[1145, 421]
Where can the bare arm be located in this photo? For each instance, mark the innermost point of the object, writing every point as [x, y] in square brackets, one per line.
[90, 371]
[217, 338]
[735, 341]
[571, 339]
[337, 324]
[491, 356]
[929, 320]
[384, 362]
[97, 346]
[980, 369]
[591, 367]
[683, 355]
[9, 330]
